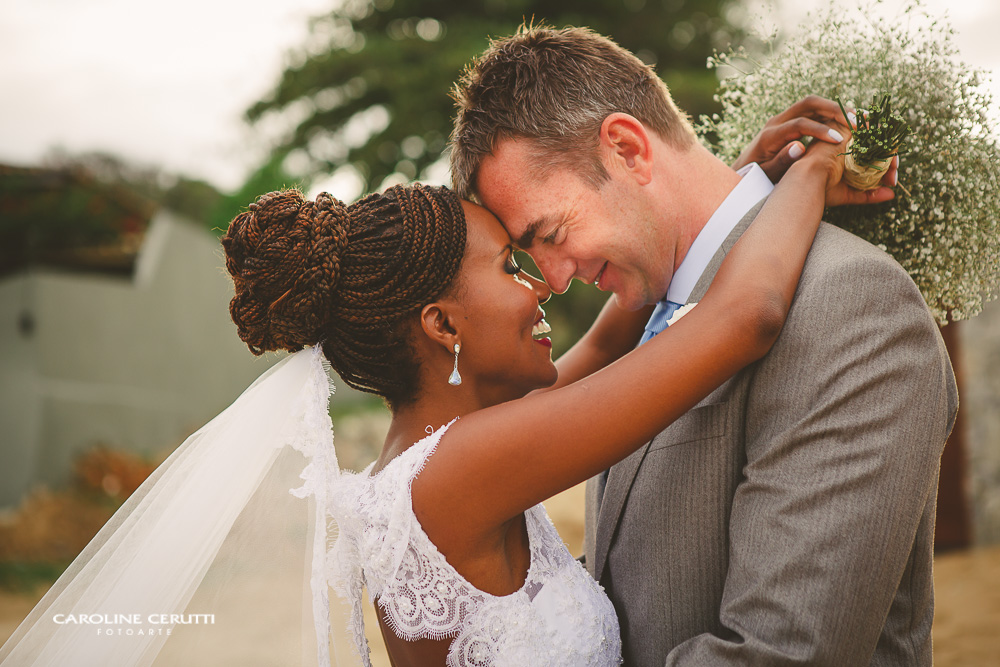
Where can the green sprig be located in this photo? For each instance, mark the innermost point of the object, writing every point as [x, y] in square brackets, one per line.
[880, 133]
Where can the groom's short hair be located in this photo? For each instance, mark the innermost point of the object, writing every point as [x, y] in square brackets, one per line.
[555, 87]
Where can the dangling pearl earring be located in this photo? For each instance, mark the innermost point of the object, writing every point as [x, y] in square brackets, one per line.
[456, 378]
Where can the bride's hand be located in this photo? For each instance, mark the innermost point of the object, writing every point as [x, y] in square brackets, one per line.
[829, 158]
[777, 146]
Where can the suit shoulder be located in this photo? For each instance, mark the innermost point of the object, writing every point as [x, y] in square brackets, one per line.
[847, 277]
[834, 245]
[837, 253]
[854, 295]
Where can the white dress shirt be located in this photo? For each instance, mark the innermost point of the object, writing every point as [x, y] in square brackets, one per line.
[753, 186]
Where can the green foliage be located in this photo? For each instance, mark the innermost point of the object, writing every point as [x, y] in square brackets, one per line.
[271, 176]
[191, 198]
[71, 215]
[89, 211]
[147, 186]
[25, 577]
[880, 132]
[371, 87]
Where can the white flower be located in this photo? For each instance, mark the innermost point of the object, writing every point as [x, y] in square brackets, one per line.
[680, 312]
[944, 228]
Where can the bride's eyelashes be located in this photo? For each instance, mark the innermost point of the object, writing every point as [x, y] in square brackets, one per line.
[511, 266]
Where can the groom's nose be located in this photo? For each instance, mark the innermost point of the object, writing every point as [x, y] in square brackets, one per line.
[556, 271]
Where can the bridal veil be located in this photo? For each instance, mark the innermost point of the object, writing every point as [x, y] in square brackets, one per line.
[227, 540]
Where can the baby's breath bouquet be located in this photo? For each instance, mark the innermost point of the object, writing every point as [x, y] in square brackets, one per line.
[943, 227]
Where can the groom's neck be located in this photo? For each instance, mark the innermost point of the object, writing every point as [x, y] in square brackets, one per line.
[702, 183]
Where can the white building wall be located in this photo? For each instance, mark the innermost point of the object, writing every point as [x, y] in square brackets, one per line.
[132, 363]
[20, 407]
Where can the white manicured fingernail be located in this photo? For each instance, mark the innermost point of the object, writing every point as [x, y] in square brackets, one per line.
[795, 152]
[851, 117]
[836, 136]
[895, 179]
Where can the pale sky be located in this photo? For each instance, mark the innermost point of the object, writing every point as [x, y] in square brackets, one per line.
[157, 82]
[166, 83]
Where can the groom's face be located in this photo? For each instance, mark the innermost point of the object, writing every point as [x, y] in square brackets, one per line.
[573, 230]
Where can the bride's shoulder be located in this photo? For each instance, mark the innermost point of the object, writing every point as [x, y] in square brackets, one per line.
[409, 463]
[373, 492]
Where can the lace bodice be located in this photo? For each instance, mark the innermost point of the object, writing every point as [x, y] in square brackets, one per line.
[560, 616]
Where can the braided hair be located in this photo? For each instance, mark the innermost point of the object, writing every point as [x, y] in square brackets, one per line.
[349, 277]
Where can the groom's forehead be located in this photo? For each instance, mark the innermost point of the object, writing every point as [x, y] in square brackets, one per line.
[526, 199]
[522, 217]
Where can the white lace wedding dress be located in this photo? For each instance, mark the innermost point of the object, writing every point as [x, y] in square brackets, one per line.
[214, 531]
[560, 616]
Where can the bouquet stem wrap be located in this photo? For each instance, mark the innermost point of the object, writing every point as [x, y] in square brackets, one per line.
[863, 177]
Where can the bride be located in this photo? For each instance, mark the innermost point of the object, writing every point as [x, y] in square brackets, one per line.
[417, 296]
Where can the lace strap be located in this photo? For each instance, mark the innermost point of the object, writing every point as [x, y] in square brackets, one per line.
[391, 494]
[372, 520]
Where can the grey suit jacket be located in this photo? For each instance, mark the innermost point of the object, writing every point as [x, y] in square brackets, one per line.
[789, 517]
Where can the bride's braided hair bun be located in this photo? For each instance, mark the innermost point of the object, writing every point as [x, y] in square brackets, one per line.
[308, 272]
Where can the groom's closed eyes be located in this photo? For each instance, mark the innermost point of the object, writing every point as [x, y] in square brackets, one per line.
[530, 233]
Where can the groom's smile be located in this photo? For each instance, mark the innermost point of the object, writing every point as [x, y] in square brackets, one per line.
[597, 278]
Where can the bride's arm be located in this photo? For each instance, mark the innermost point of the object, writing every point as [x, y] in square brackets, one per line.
[497, 462]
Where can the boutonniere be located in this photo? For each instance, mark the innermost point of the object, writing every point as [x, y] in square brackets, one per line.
[681, 312]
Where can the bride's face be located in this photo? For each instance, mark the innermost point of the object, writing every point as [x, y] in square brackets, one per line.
[500, 314]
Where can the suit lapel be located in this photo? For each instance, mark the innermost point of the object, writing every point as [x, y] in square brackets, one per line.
[622, 475]
[708, 275]
[620, 479]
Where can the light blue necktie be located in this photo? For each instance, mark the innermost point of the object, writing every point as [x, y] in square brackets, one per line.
[658, 320]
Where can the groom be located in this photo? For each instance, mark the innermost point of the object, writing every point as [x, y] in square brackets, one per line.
[789, 517]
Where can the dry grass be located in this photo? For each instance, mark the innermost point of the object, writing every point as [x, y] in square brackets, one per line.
[54, 526]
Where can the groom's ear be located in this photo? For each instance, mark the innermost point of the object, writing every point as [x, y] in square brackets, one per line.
[626, 147]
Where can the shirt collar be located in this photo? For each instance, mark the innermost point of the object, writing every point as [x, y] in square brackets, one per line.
[753, 186]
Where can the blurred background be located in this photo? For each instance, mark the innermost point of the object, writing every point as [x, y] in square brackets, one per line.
[131, 133]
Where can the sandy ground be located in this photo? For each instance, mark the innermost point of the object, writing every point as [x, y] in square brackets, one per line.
[966, 626]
